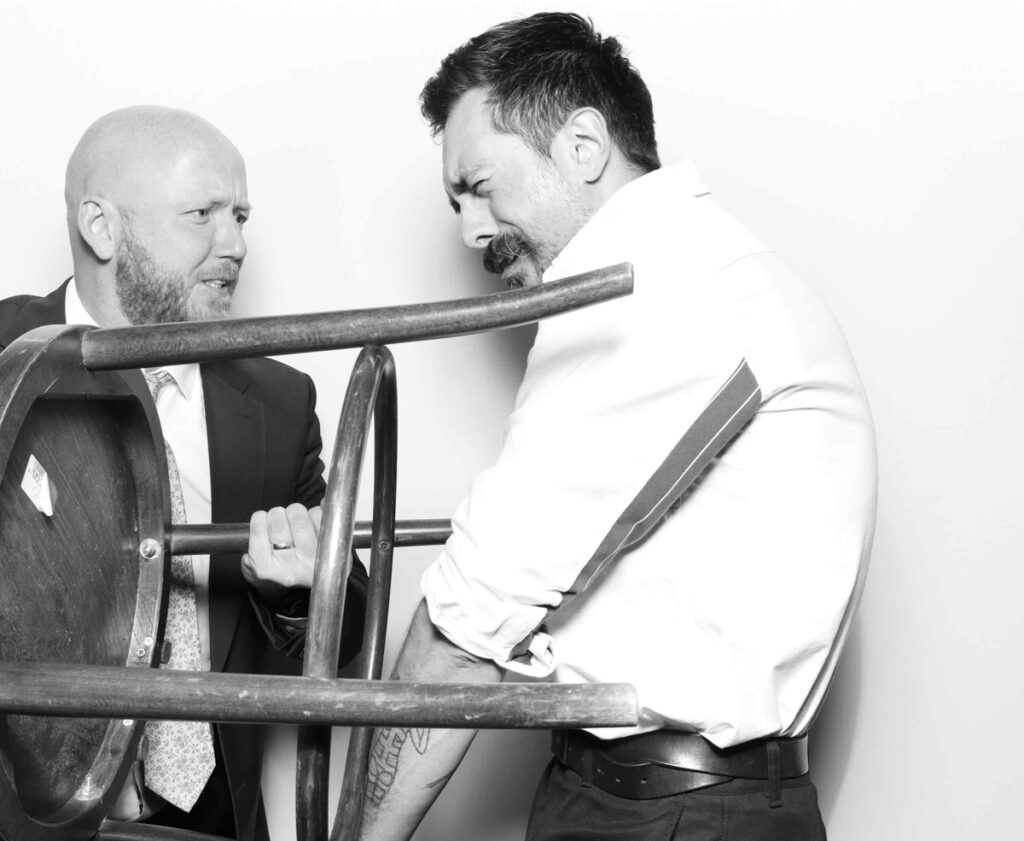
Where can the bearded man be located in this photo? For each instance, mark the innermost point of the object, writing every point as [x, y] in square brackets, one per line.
[598, 548]
[156, 203]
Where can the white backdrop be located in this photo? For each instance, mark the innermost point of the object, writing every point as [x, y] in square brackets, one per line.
[878, 145]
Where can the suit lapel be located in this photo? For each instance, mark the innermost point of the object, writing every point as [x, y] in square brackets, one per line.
[235, 429]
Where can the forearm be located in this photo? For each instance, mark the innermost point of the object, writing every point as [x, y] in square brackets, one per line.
[410, 766]
[408, 769]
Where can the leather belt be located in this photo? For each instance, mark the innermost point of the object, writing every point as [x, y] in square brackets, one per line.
[666, 762]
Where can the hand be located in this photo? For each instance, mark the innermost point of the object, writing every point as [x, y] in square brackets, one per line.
[282, 547]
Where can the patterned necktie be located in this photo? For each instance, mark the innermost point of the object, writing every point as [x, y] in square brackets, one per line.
[180, 756]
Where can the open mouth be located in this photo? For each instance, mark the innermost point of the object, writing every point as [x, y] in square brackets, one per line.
[220, 283]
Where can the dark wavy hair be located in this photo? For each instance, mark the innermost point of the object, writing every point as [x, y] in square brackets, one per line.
[540, 69]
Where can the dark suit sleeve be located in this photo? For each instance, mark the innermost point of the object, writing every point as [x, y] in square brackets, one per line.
[283, 612]
[310, 486]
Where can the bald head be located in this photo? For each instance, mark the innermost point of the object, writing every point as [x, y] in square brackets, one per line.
[124, 151]
[155, 202]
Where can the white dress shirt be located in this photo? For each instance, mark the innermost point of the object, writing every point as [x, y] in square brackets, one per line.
[182, 414]
[729, 616]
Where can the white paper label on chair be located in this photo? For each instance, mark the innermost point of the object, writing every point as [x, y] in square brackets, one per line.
[37, 485]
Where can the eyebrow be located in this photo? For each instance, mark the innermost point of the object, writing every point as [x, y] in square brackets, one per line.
[463, 184]
[225, 200]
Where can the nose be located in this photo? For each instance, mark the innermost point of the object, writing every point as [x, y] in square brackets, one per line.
[231, 241]
[478, 225]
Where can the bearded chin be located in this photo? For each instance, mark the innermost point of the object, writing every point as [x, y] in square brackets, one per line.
[148, 294]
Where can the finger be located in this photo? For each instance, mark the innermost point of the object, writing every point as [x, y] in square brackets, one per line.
[302, 529]
[249, 569]
[258, 538]
[316, 514]
[278, 529]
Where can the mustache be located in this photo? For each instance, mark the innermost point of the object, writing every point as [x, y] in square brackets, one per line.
[503, 249]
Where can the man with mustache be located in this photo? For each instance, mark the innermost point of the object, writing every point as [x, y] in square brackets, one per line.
[156, 203]
[685, 497]
[606, 544]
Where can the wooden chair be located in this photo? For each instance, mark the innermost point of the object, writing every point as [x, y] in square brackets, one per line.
[85, 545]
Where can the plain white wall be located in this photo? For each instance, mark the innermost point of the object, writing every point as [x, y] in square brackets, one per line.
[878, 145]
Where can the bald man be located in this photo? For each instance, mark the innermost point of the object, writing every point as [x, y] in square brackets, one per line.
[156, 202]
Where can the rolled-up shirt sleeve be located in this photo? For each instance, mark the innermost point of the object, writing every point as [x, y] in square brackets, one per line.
[598, 413]
[749, 575]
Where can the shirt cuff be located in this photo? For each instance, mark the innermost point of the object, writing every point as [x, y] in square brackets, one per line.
[283, 613]
[477, 621]
[538, 660]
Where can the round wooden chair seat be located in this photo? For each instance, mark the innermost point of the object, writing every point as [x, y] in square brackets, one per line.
[83, 484]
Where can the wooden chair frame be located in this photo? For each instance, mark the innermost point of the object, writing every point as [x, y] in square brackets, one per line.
[55, 361]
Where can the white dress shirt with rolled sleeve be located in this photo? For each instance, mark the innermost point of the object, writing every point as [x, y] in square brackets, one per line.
[728, 616]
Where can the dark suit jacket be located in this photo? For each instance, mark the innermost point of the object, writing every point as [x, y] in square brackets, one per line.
[265, 446]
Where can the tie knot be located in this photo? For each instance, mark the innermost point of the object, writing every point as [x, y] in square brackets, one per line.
[158, 379]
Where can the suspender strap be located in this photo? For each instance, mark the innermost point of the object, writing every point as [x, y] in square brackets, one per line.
[732, 407]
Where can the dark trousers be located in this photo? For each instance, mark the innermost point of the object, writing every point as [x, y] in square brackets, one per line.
[564, 809]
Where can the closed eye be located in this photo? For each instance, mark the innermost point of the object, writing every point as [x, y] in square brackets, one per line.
[461, 188]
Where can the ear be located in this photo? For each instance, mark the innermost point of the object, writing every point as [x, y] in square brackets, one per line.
[584, 145]
[98, 225]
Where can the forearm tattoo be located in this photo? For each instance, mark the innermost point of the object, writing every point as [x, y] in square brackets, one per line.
[383, 766]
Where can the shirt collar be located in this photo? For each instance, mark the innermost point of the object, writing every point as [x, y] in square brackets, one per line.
[681, 179]
[74, 310]
[186, 377]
